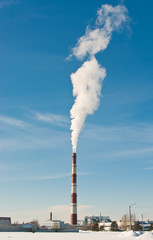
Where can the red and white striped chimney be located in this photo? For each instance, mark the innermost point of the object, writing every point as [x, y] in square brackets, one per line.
[74, 191]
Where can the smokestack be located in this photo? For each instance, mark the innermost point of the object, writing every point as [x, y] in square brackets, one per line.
[50, 216]
[87, 80]
[74, 191]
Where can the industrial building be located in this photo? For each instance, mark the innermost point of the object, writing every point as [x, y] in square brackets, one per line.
[7, 226]
[106, 224]
[5, 220]
[59, 226]
[145, 225]
[96, 219]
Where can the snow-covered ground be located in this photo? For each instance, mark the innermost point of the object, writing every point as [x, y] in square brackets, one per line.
[76, 236]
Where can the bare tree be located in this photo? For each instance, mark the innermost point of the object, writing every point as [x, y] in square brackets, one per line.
[125, 222]
[36, 222]
[16, 223]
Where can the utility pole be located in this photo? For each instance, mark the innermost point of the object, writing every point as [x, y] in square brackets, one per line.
[142, 224]
[131, 215]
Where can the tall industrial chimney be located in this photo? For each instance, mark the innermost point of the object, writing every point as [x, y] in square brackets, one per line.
[51, 217]
[74, 191]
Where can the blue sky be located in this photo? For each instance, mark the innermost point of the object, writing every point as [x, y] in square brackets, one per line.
[115, 149]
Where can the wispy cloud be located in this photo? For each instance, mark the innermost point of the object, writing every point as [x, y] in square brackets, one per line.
[12, 121]
[54, 119]
[44, 178]
[51, 177]
[119, 142]
[30, 134]
[114, 142]
[131, 133]
[23, 141]
[33, 137]
[6, 3]
[148, 168]
[130, 152]
[63, 175]
[39, 178]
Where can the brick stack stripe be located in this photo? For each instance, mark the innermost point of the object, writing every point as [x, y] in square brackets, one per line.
[74, 191]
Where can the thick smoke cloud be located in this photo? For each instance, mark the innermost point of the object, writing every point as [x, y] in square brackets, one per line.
[87, 80]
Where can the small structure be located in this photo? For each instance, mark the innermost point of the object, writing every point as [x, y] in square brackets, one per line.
[96, 219]
[80, 222]
[59, 226]
[5, 220]
[55, 225]
[28, 227]
[106, 223]
[145, 225]
[6, 226]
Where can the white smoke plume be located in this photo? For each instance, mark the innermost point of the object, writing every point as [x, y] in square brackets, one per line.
[87, 90]
[87, 80]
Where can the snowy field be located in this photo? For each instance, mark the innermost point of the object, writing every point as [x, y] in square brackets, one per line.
[76, 236]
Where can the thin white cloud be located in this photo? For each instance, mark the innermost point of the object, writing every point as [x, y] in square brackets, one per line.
[12, 121]
[43, 178]
[132, 152]
[54, 119]
[117, 142]
[61, 176]
[33, 135]
[85, 173]
[35, 141]
[125, 154]
[51, 177]
[40, 178]
[134, 133]
[148, 168]
[6, 3]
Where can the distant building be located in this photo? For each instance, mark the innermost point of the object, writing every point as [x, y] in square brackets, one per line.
[6, 226]
[80, 222]
[96, 219]
[145, 224]
[106, 223]
[55, 225]
[59, 226]
[28, 227]
[5, 220]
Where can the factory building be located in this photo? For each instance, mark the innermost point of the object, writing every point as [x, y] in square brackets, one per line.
[5, 220]
[58, 226]
[106, 223]
[96, 219]
[6, 226]
[146, 225]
